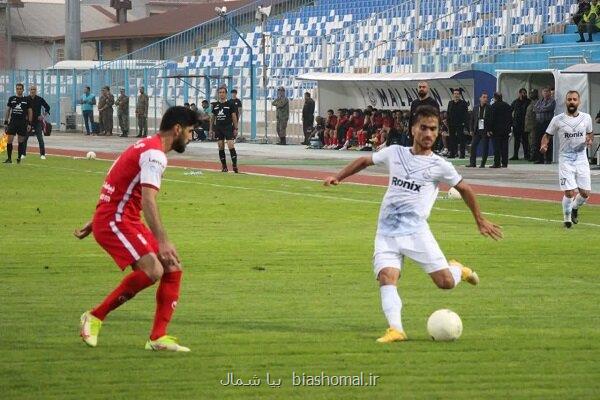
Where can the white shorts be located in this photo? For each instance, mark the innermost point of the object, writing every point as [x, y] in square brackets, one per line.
[574, 174]
[420, 247]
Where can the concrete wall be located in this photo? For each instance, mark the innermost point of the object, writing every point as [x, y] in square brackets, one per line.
[33, 55]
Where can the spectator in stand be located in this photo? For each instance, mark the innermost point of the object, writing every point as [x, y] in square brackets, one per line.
[458, 118]
[341, 128]
[87, 101]
[500, 125]
[590, 22]
[519, 107]
[583, 7]
[480, 131]
[282, 106]
[544, 112]
[530, 123]
[330, 125]
[308, 117]
[424, 99]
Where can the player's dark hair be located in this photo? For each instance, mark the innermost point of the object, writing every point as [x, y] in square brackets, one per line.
[178, 115]
[456, 90]
[307, 94]
[573, 91]
[523, 90]
[20, 84]
[484, 92]
[426, 111]
[222, 87]
[88, 88]
[234, 91]
[498, 96]
[330, 111]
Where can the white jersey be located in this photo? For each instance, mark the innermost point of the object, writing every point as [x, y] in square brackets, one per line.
[412, 189]
[571, 132]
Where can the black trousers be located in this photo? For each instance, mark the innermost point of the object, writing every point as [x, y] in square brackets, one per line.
[540, 131]
[478, 138]
[457, 141]
[307, 125]
[36, 129]
[521, 138]
[501, 150]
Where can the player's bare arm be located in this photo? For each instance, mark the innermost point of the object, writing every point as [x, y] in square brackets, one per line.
[354, 167]
[589, 139]
[235, 121]
[545, 142]
[167, 252]
[6, 115]
[84, 231]
[486, 228]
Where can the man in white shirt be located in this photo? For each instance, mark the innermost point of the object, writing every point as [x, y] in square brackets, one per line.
[575, 132]
[414, 175]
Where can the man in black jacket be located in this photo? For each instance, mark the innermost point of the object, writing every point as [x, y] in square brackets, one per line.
[308, 117]
[500, 124]
[479, 130]
[36, 103]
[424, 99]
[458, 117]
[519, 107]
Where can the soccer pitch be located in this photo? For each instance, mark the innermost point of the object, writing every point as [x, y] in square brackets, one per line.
[278, 280]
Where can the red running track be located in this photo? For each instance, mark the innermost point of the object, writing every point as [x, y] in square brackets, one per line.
[523, 193]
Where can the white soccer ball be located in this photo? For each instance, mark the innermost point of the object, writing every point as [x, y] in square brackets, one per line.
[444, 325]
[90, 155]
[454, 194]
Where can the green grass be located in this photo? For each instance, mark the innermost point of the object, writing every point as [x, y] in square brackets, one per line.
[279, 279]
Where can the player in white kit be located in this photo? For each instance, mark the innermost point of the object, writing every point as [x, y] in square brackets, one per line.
[414, 175]
[575, 132]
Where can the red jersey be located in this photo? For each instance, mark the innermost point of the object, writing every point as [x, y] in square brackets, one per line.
[141, 164]
[332, 122]
[358, 122]
[378, 121]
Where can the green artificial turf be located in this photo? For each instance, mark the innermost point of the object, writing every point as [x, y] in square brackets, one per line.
[278, 279]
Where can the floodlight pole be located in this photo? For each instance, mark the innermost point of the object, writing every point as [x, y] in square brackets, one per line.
[252, 77]
[264, 51]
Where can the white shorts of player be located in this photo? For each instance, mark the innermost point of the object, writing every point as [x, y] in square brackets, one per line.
[574, 174]
[420, 247]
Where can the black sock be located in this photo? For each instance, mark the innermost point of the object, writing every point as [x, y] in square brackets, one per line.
[223, 158]
[233, 155]
[9, 148]
[20, 150]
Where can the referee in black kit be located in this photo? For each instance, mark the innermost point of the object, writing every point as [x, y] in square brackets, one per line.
[224, 124]
[18, 112]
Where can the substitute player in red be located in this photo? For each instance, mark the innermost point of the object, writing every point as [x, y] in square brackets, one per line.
[131, 187]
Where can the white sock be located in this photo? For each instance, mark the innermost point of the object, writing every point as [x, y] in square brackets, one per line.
[579, 201]
[456, 274]
[391, 305]
[567, 204]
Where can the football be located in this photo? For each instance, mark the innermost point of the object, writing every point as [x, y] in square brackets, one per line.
[90, 155]
[444, 325]
[453, 194]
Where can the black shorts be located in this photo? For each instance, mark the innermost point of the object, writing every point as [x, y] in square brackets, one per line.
[17, 128]
[224, 132]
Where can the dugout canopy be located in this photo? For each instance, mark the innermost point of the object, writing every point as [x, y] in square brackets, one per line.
[395, 91]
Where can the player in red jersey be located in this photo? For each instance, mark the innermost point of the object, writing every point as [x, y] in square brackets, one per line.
[131, 187]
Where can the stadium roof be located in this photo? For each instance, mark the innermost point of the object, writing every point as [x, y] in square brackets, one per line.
[325, 76]
[583, 69]
[165, 24]
[47, 21]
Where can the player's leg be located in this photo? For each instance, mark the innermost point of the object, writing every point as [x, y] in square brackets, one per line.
[232, 152]
[584, 184]
[387, 263]
[40, 138]
[9, 148]
[146, 271]
[568, 184]
[425, 251]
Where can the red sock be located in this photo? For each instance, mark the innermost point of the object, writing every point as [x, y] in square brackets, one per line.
[166, 301]
[129, 287]
[361, 138]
